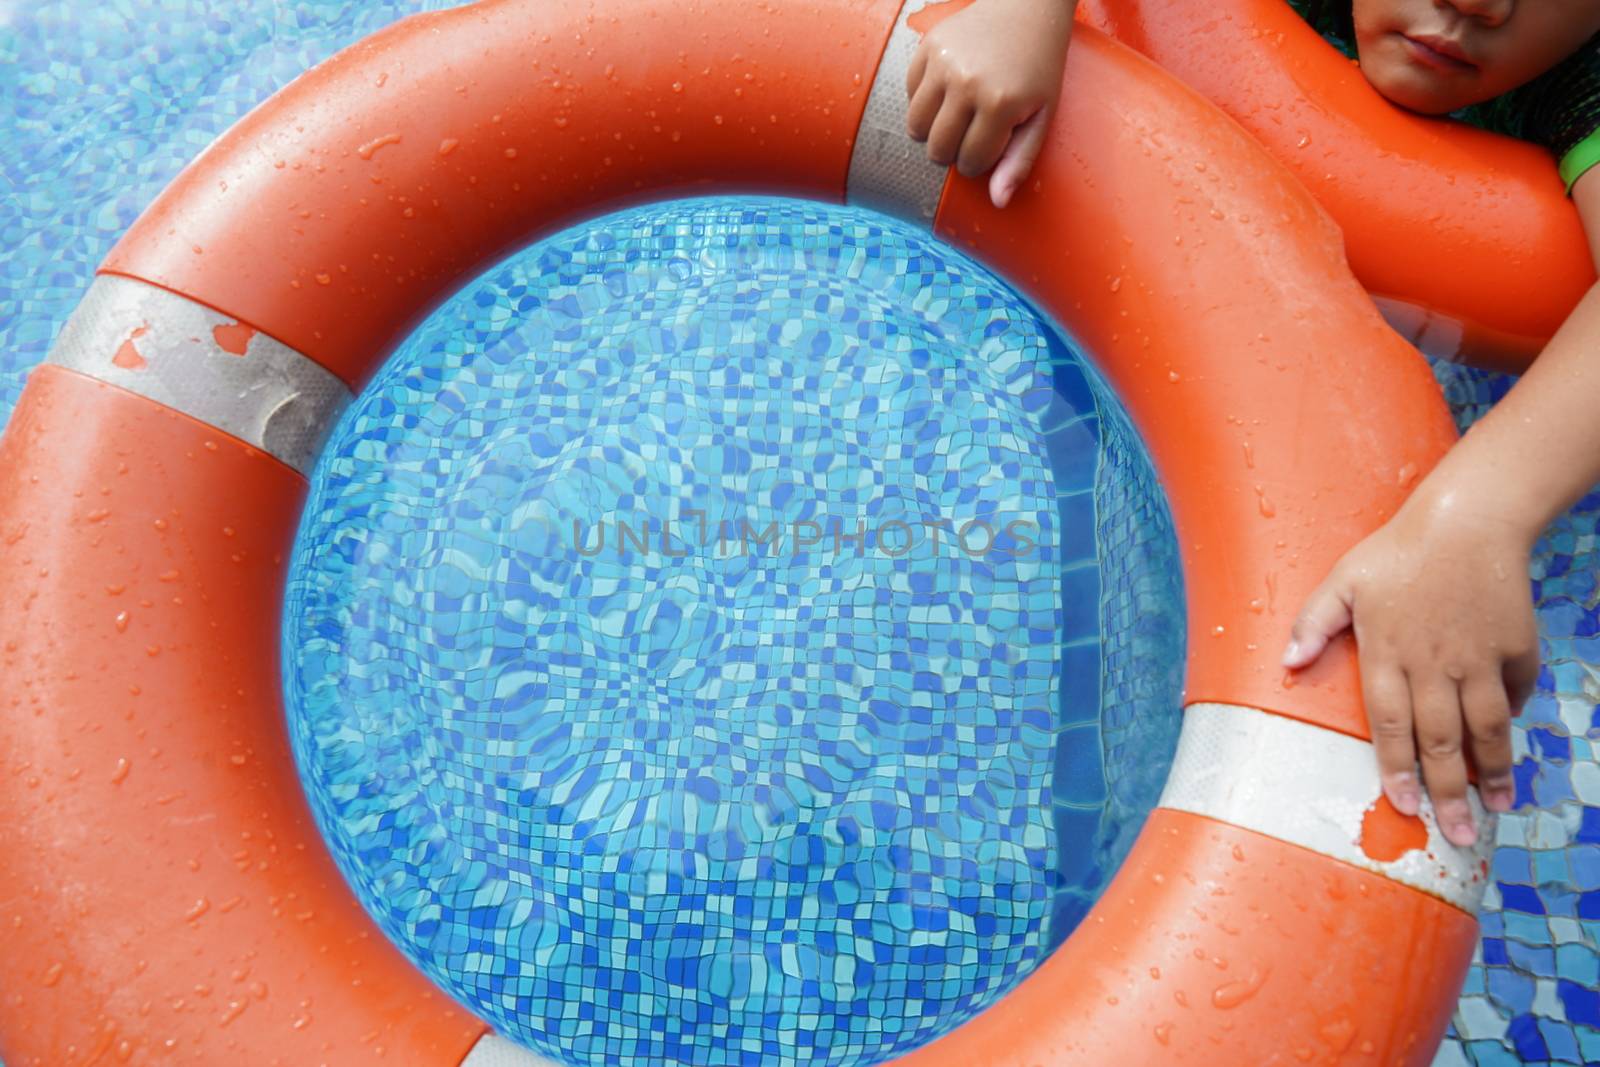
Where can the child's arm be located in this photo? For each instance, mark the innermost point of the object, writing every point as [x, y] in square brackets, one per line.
[988, 70]
[1438, 597]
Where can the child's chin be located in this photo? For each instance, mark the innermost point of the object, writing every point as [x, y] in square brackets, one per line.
[1415, 91]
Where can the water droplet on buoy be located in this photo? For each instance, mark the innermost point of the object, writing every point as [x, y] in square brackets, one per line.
[1338, 1032]
[1233, 994]
[366, 151]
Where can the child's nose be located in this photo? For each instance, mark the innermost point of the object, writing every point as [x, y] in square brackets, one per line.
[1488, 12]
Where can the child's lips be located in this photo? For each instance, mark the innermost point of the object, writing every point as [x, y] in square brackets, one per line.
[1438, 53]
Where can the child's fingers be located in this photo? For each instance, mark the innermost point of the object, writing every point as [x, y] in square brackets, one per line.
[1488, 715]
[1521, 675]
[982, 145]
[919, 64]
[1436, 706]
[949, 128]
[1388, 700]
[924, 108]
[1021, 152]
[1326, 613]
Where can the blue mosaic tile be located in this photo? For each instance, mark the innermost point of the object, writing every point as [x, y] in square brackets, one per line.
[1581, 1001]
[1588, 1044]
[1561, 1044]
[1510, 989]
[1584, 863]
[1512, 864]
[1536, 960]
[1580, 965]
[1487, 1054]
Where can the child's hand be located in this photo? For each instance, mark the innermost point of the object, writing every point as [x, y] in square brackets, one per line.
[982, 73]
[1443, 619]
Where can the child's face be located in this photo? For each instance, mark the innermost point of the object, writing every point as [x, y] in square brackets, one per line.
[1434, 56]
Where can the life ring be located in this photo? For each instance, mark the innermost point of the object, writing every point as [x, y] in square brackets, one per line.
[1495, 256]
[163, 892]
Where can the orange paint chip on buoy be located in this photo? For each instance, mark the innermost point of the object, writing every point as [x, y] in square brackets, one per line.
[233, 338]
[127, 356]
[1386, 834]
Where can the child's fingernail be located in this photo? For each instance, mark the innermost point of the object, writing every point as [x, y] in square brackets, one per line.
[1497, 795]
[1455, 819]
[1404, 795]
[1291, 654]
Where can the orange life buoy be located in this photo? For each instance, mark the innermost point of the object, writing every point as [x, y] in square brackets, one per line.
[152, 474]
[1494, 256]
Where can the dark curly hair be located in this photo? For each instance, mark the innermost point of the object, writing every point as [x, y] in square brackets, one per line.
[1332, 16]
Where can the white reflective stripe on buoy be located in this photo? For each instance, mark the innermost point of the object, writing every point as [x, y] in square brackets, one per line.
[890, 172]
[218, 371]
[1314, 788]
[495, 1051]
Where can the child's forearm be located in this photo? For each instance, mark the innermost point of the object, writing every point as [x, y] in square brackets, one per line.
[1538, 450]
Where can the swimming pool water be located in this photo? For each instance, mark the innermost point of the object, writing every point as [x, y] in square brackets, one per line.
[694, 643]
[101, 103]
